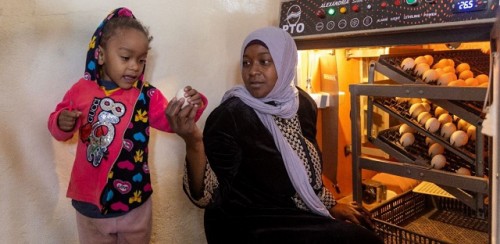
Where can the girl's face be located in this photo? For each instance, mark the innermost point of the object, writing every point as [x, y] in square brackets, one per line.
[258, 71]
[124, 57]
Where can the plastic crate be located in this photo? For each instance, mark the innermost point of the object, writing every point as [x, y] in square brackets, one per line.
[405, 208]
[400, 210]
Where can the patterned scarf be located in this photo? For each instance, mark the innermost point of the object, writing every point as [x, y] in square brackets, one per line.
[285, 96]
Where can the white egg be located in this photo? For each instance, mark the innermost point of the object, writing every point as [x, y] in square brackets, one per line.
[438, 161]
[179, 95]
[430, 75]
[466, 74]
[404, 128]
[446, 78]
[407, 139]
[472, 82]
[463, 66]
[432, 125]
[408, 64]
[423, 117]
[416, 109]
[463, 171]
[421, 68]
[459, 138]
[482, 78]
[462, 125]
[435, 149]
[471, 132]
[445, 118]
[448, 129]
[439, 110]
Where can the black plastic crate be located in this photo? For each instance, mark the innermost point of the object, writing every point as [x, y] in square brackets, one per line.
[405, 208]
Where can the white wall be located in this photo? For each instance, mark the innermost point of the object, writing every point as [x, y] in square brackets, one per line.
[42, 53]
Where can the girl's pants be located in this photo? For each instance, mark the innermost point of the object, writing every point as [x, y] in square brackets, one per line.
[133, 227]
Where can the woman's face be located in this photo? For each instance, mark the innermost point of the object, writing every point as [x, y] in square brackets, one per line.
[258, 71]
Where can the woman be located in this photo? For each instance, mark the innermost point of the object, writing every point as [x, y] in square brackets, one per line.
[261, 179]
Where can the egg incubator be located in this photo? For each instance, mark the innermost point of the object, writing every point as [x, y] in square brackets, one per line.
[456, 158]
[334, 23]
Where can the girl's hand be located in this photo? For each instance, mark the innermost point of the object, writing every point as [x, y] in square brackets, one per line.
[67, 120]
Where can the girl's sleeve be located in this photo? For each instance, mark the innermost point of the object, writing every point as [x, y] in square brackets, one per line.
[158, 104]
[53, 126]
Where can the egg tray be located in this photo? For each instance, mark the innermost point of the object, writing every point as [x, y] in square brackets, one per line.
[479, 64]
[418, 151]
[402, 108]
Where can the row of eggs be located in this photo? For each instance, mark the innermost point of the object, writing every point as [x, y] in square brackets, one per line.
[444, 72]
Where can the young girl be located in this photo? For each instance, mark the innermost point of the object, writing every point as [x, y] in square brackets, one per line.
[112, 109]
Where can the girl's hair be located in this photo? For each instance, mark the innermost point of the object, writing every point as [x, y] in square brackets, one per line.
[122, 23]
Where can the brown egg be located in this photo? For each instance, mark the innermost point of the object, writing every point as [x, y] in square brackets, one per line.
[461, 67]
[471, 82]
[482, 78]
[430, 59]
[446, 78]
[435, 149]
[458, 82]
[466, 74]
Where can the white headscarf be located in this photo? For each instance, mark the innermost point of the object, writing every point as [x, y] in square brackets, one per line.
[285, 96]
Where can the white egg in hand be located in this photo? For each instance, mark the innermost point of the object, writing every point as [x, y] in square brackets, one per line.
[179, 95]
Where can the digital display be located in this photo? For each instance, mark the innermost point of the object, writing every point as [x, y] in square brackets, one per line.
[460, 6]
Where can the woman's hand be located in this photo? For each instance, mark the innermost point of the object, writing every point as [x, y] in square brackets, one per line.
[352, 213]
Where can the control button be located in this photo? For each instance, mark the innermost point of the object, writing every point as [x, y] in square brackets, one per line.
[367, 21]
[321, 13]
[383, 4]
[397, 2]
[354, 22]
[411, 2]
[355, 8]
[342, 23]
[330, 25]
[369, 6]
[343, 10]
[319, 26]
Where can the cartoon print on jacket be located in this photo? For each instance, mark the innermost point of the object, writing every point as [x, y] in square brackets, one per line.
[99, 134]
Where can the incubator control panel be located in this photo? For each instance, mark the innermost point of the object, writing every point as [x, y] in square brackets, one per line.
[303, 18]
